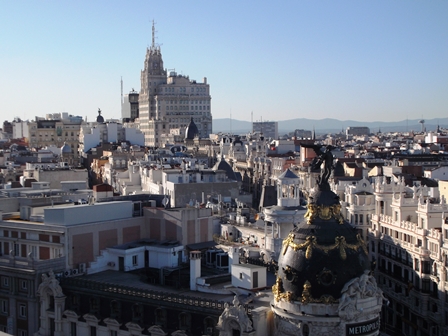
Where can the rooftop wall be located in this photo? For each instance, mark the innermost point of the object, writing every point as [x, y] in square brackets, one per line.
[82, 214]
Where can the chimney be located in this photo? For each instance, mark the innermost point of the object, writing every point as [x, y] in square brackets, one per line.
[195, 268]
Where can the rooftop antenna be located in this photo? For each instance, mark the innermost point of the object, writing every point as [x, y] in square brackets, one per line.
[121, 81]
[153, 44]
[252, 120]
[153, 39]
[230, 121]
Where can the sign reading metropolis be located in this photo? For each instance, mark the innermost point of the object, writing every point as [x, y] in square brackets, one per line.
[363, 328]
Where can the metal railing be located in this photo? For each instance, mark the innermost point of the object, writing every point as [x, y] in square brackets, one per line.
[144, 293]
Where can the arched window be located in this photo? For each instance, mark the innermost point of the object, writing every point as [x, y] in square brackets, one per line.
[305, 330]
[136, 313]
[160, 317]
[184, 321]
[209, 325]
[114, 309]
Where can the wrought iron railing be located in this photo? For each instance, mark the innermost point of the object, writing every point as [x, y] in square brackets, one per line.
[143, 293]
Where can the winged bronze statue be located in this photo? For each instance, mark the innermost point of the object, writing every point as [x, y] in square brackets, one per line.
[324, 157]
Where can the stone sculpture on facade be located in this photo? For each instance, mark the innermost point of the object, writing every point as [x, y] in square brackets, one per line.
[362, 287]
[50, 282]
[50, 287]
[234, 317]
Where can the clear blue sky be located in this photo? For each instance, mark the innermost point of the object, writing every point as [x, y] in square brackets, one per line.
[359, 60]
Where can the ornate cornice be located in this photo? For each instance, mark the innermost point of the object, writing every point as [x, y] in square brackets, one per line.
[311, 243]
[324, 212]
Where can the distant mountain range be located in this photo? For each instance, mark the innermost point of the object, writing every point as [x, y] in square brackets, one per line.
[323, 126]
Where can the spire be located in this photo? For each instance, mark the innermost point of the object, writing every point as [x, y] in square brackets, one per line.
[153, 44]
[313, 136]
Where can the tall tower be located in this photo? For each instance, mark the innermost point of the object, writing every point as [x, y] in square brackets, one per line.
[168, 103]
[152, 75]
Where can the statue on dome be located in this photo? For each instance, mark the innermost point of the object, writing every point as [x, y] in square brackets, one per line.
[325, 158]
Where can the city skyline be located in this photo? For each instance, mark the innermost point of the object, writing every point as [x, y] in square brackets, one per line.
[365, 61]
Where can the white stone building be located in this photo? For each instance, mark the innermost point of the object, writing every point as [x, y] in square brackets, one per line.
[108, 132]
[168, 100]
[408, 241]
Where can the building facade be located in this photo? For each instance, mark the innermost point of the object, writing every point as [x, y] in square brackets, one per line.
[408, 244]
[268, 128]
[129, 106]
[357, 130]
[168, 101]
[56, 129]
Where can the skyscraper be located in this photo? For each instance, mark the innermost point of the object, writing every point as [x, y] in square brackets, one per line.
[168, 101]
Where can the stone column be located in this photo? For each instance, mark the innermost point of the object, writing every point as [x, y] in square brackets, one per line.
[59, 307]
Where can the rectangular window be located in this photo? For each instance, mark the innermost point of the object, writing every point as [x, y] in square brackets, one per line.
[22, 310]
[241, 275]
[33, 251]
[56, 253]
[4, 306]
[23, 250]
[92, 331]
[134, 260]
[113, 333]
[5, 281]
[44, 237]
[22, 333]
[73, 329]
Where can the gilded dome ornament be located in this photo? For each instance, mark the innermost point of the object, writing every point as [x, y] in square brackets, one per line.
[326, 277]
[323, 252]
[311, 243]
[323, 212]
[306, 294]
[290, 273]
[278, 291]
